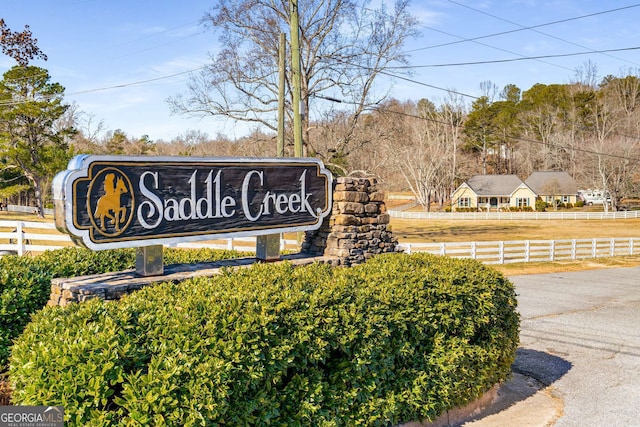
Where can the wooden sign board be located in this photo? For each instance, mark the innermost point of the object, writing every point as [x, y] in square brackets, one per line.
[107, 202]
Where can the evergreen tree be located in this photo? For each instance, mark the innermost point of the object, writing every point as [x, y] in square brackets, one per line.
[30, 140]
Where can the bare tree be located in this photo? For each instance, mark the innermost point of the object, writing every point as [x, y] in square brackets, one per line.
[615, 144]
[420, 149]
[552, 188]
[453, 112]
[21, 46]
[489, 90]
[345, 47]
[617, 162]
[586, 75]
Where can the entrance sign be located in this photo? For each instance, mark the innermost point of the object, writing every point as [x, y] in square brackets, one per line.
[107, 202]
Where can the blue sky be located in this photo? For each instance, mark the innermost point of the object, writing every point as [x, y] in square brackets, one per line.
[119, 60]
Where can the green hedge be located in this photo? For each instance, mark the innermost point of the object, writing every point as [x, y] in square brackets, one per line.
[25, 282]
[400, 338]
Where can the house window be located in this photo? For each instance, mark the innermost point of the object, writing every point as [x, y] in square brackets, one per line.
[566, 199]
[464, 202]
[522, 202]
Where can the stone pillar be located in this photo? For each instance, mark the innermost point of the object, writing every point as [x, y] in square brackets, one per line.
[358, 225]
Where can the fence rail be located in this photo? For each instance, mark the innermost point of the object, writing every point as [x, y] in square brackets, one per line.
[515, 216]
[21, 237]
[505, 252]
[27, 209]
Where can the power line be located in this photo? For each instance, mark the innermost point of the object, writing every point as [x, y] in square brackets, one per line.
[527, 28]
[545, 34]
[139, 82]
[519, 138]
[524, 58]
[475, 39]
[118, 86]
[494, 47]
[159, 45]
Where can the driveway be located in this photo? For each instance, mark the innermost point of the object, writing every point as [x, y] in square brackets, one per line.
[580, 334]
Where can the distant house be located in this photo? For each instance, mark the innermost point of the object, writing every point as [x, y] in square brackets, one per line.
[554, 187]
[503, 192]
[493, 193]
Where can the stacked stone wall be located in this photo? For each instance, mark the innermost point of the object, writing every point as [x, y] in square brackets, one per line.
[358, 226]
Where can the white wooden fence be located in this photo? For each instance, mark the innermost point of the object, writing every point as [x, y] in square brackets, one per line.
[27, 209]
[515, 216]
[531, 250]
[22, 237]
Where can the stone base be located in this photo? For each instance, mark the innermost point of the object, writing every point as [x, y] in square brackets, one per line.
[357, 228]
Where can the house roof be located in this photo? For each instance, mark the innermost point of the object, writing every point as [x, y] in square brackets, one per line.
[552, 183]
[494, 185]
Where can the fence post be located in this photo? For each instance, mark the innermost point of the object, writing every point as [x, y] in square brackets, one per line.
[594, 250]
[501, 251]
[630, 245]
[573, 248]
[230, 244]
[473, 250]
[443, 249]
[527, 250]
[552, 250]
[408, 250]
[20, 237]
[613, 246]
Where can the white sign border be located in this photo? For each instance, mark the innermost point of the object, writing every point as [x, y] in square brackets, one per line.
[78, 167]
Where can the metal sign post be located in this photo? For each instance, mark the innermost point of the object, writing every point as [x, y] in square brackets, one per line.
[268, 247]
[149, 261]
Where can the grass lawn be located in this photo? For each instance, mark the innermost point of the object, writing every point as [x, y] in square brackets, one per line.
[21, 216]
[564, 266]
[423, 230]
[412, 231]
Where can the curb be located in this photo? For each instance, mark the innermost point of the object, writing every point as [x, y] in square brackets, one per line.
[521, 401]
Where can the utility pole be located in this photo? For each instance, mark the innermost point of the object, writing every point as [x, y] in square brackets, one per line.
[296, 77]
[281, 70]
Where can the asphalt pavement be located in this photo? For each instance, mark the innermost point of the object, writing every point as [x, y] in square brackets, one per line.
[579, 358]
[586, 324]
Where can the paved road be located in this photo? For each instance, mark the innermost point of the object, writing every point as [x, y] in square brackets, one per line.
[580, 333]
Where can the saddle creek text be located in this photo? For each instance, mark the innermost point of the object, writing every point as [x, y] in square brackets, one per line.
[154, 209]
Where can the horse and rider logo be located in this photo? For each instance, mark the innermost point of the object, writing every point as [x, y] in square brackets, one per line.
[112, 210]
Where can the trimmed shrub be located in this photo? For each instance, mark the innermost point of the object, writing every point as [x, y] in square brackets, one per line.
[520, 209]
[25, 282]
[399, 338]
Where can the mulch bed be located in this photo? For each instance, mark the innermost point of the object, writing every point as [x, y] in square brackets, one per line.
[5, 392]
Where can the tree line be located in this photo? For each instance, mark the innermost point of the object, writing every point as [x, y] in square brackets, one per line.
[591, 131]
